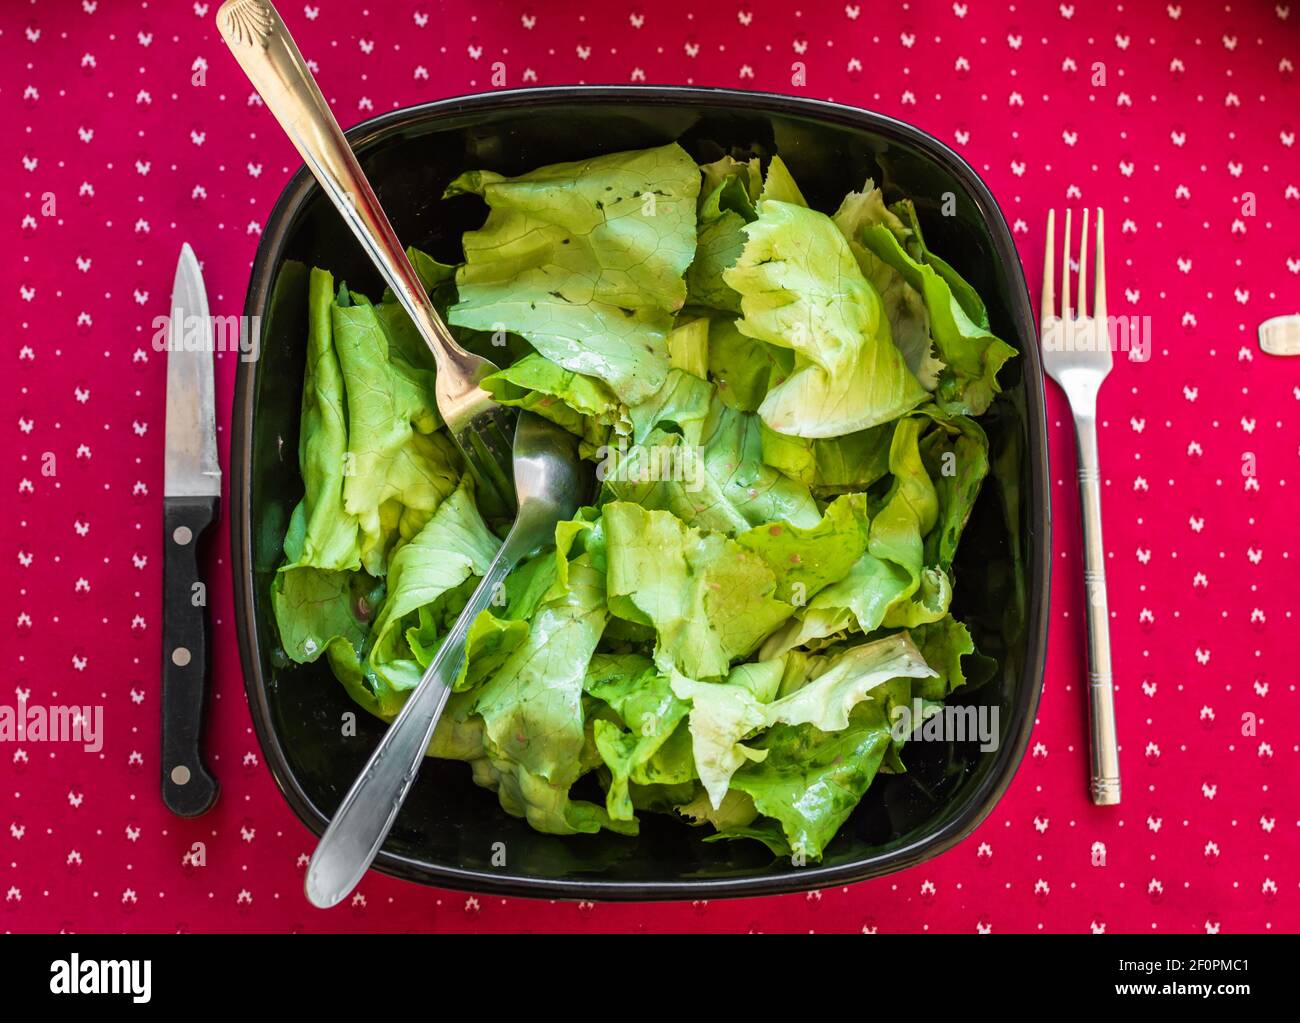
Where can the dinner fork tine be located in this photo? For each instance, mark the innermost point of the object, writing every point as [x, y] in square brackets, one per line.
[492, 444]
[1082, 311]
[1047, 302]
[1099, 288]
[1077, 355]
[1065, 273]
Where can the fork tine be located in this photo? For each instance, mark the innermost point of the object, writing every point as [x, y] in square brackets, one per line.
[1099, 273]
[498, 438]
[487, 444]
[1083, 267]
[1047, 302]
[1065, 270]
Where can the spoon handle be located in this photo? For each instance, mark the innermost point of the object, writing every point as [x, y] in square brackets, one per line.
[367, 812]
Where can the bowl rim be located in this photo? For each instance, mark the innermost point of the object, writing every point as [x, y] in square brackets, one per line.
[270, 253]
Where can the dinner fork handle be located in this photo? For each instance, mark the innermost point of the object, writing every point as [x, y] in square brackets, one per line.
[262, 45]
[1104, 787]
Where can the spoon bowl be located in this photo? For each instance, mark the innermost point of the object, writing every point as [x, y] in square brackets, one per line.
[551, 481]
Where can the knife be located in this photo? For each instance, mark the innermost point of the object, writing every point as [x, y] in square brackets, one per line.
[191, 492]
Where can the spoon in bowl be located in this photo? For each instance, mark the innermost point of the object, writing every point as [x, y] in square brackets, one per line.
[550, 484]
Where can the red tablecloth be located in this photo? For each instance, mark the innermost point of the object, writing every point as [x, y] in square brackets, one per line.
[133, 130]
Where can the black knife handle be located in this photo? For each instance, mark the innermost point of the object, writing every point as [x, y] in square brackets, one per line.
[188, 787]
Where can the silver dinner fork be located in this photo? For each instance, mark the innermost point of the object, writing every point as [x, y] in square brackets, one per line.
[481, 428]
[1077, 355]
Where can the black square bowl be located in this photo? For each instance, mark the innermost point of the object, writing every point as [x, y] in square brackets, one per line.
[448, 830]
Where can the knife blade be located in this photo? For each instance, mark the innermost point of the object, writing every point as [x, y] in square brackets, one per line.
[191, 496]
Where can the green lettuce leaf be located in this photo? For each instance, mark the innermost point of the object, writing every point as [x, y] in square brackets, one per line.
[585, 261]
[488, 644]
[806, 561]
[315, 606]
[801, 288]
[688, 346]
[650, 748]
[723, 485]
[527, 586]
[829, 466]
[810, 780]
[458, 734]
[545, 804]
[846, 679]
[971, 354]
[904, 307]
[583, 405]
[912, 593]
[890, 583]
[438, 278]
[664, 798]
[779, 185]
[681, 406]
[710, 600]
[318, 611]
[763, 830]
[721, 714]
[726, 206]
[736, 810]
[721, 241]
[956, 456]
[453, 547]
[405, 342]
[532, 707]
[744, 368]
[761, 678]
[322, 533]
[944, 644]
[667, 473]
[399, 466]
[967, 297]
[730, 184]
[732, 444]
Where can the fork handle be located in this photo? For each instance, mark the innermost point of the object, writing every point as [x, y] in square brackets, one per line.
[1104, 784]
[262, 45]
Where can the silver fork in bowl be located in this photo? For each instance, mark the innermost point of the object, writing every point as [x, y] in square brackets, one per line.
[1077, 355]
[481, 428]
